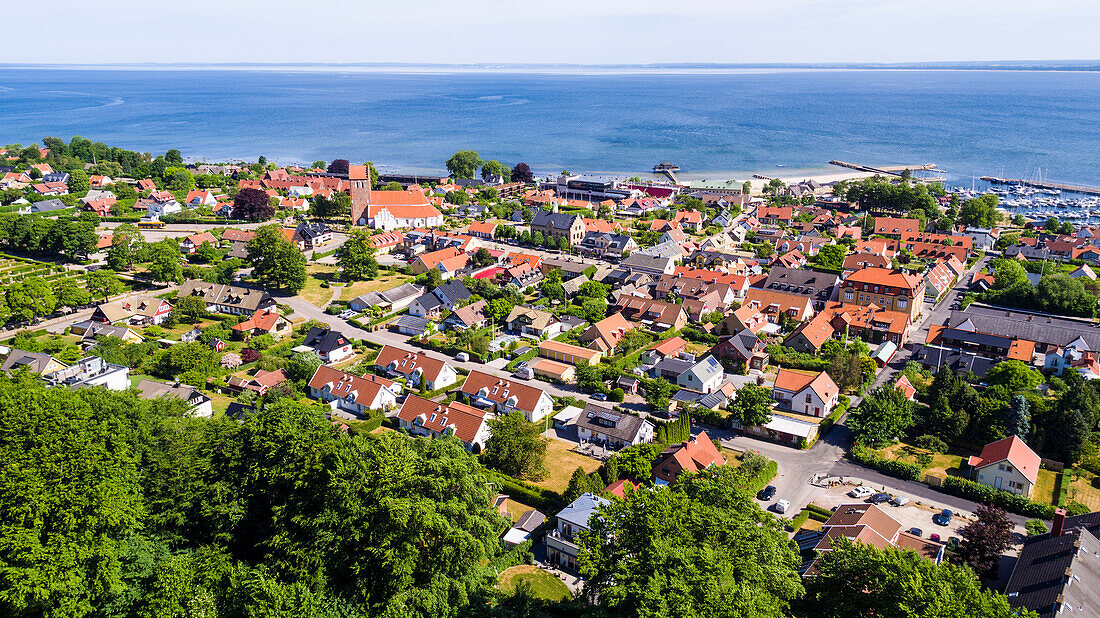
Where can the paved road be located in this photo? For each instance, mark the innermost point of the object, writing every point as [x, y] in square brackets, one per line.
[310, 311]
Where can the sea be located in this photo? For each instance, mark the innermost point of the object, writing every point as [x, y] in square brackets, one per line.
[713, 124]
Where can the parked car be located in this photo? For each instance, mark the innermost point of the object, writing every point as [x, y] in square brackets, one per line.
[525, 373]
[916, 532]
[880, 498]
[782, 506]
[599, 397]
[347, 314]
[899, 501]
[767, 493]
[935, 537]
[462, 357]
[943, 518]
[861, 492]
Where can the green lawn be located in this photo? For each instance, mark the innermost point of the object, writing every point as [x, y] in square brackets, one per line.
[542, 585]
[1085, 488]
[561, 462]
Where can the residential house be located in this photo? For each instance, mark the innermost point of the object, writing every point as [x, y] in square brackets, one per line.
[689, 456]
[655, 315]
[431, 260]
[265, 322]
[893, 290]
[660, 350]
[137, 311]
[229, 299]
[198, 403]
[606, 334]
[482, 229]
[330, 345]
[308, 236]
[559, 225]
[506, 396]
[1056, 573]
[197, 198]
[384, 243]
[607, 245]
[355, 394]
[469, 316]
[1008, 464]
[814, 285]
[259, 382]
[653, 265]
[388, 301]
[806, 392]
[611, 429]
[893, 227]
[742, 347]
[47, 206]
[689, 219]
[773, 303]
[569, 354]
[869, 323]
[194, 241]
[561, 543]
[775, 215]
[869, 524]
[91, 331]
[91, 371]
[35, 362]
[415, 367]
[531, 322]
[704, 376]
[422, 417]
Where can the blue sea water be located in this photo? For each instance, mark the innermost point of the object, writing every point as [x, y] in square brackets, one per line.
[712, 125]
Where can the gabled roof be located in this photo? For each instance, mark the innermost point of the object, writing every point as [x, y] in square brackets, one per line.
[582, 509]
[264, 319]
[405, 362]
[464, 421]
[500, 390]
[692, 456]
[363, 390]
[607, 332]
[325, 339]
[1013, 450]
[668, 347]
[796, 381]
[887, 277]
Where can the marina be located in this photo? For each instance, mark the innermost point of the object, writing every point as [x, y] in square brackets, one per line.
[1039, 204]
[1043, 185]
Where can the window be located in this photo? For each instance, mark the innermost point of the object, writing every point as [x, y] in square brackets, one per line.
[1001, 467]
[902, 303]
[848, 295]
[809, 399]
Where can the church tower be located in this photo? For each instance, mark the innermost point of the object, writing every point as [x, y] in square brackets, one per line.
[359, 177]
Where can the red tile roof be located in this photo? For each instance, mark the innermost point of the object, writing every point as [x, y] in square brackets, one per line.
[463, 420]
[499, 390]
[1013, 450]
[406, 362]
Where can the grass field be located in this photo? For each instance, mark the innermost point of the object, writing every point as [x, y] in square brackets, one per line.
[542, 584]
[1044, 487]
[1085, 489]
[321, 273]
[943, 464]
[561, 462]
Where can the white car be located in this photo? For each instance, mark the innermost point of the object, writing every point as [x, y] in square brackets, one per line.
[347, 314]
[782, 506]
[861, 492]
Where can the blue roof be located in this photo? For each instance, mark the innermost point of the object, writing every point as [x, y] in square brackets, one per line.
[581, 510]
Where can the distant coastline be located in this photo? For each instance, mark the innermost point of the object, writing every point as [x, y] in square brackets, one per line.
[1085, 66]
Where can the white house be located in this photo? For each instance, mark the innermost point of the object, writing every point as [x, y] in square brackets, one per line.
[159, 209]
[1007, 464]
[561, 543]
[507, 396]
[806, 392]
[352, 393]
[704, 376]
[422, 417]
[606, 427]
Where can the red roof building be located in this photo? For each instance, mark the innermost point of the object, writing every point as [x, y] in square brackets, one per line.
[694, 455]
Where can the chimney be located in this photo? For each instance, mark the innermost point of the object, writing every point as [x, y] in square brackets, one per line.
[1059, 522]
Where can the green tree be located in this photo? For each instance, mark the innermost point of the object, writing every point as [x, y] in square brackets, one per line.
[184, 357]
[831, 256]
[483, 258]
[275, 260]
[1014, 375]
[173, 157]
[858, 579]
[980, 211]
[753, 406]
[71, 293]
[126, 243]
[1018, 417]
[657, 392]
[516, 447]
[1008, 273]
[190, 309]
[699, 548]
[30, 298]
[593, 309]
[303, 365]
[356, 258]
[104, 283]
[165, 261]
[464, 164]
[881, 417]
[205, 253]
[78, 181]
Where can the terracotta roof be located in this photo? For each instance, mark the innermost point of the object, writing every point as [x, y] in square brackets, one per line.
[692, 455]
[773, 301]
[264, 319]
[483, 227]
[863, 522]
[668, 347]
[411, 197]
[431, 260]
[406, 362]
[1021, 350]
[1013, 450]
[795, 381]
[499, 390]
[892, 225]
[551, 367]
[607, 332]
[235, 235]
[906, 387]
[465, 421]
[885, 276]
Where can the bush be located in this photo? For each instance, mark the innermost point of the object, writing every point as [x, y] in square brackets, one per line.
[1035, 527]
[617, 395]
[537, 497]
[1076, 508]
[763, 475]
[985, 494]
[930, 443]
[1061, 486]
[843, 403]
[865, 456]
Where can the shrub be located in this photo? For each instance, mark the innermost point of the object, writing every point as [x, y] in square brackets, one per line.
[617, 394]
[248, 355]
[1035, 527]
[865, 456]
[1061, 486]
[985, 494]
[930, 443]
[1076, 508]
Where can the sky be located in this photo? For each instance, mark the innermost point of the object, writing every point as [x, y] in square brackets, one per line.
[562, 31]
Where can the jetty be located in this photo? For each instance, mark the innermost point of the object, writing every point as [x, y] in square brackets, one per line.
[1043, 184]
[886, 170]
[668, 169]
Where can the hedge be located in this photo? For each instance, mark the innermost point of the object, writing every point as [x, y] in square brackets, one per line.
[985, 494]
[763, 477]
[1061, 486]
[542, 499]
[843, 403]
[819, 511]
[865, 456]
